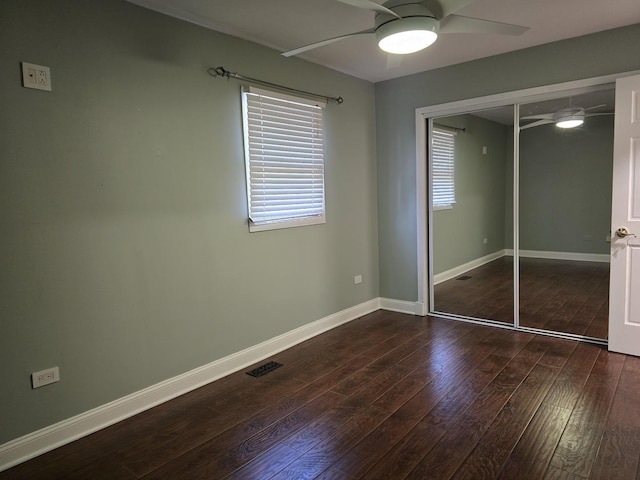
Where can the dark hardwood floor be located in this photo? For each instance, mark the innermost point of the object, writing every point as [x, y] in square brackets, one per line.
[557, 295]
[387, 396]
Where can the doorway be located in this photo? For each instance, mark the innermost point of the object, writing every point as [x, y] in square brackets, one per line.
[524, 241]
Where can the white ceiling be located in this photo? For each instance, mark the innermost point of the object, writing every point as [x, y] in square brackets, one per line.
[288, 24]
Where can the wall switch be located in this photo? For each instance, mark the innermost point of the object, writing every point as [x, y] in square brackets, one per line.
[485, 241]
[45, 377]
[357, 279]
[36, 76]
[484, 150]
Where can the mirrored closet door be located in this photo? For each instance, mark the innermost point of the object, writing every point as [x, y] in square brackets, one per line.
[565, 213]
[472, 178]
[554, 257]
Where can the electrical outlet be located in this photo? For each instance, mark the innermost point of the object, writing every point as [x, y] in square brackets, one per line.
[357, 279]
[45, 377]
[36, 76]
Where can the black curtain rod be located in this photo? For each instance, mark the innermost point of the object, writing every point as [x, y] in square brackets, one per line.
[222, 72]
[457, 129]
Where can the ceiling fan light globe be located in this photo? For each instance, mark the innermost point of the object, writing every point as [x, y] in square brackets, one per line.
[407, 35]
[569, 123]
[569, 117]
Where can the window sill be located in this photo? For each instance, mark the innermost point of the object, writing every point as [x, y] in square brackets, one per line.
[442, 207]
[279, 224]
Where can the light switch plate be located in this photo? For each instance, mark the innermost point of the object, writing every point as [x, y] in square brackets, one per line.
[36, 76]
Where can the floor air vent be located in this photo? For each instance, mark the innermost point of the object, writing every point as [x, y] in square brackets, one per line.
[464, 277]
[264, 369]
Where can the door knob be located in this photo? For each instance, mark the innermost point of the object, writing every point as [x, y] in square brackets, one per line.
[624, 232]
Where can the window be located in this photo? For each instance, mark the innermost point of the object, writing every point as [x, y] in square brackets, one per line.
[284, 155]
[443, 184]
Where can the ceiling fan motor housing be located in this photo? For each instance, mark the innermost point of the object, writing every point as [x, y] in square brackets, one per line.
[416, 29]
[569, 113]
[406, 11]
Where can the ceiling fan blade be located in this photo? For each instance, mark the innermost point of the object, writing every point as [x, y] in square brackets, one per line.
[369, 5]
[598, 114]
[322, 43]
[547, 116]
[595, 106]
[459, 24]
[535, 124]
[443, 8]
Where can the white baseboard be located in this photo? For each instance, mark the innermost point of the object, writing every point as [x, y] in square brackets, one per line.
[465, 267]
[66, 431]
[577, 257]
[401, 306]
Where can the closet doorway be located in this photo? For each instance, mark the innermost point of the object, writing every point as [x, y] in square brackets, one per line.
[519, 210]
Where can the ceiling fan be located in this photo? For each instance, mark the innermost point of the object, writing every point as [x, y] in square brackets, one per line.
[405, 26]
[570, 116]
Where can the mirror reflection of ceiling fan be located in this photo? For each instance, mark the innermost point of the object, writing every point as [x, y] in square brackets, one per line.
[405, 26]
[566, 117]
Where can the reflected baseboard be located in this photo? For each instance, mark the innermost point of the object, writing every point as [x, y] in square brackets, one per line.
[478, 262]
[578, 257]
[465, 267]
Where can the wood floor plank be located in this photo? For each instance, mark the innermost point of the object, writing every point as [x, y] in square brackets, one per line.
[530, 458]
[557, 474]
[333, 474]
[581, 439]
[567, 387]
[447, 399]
[497, 443]
[614, 459]
[266, 465]
[419, 404]
[212, 459]
[319, 458]
[463, 435]
[390, 396]
[622, 431]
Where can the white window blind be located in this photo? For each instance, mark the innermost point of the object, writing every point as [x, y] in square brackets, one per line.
[284, 154]
[443, 182]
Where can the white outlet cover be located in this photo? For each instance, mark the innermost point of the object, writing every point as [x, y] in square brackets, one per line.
[45, 377]
[36, 76]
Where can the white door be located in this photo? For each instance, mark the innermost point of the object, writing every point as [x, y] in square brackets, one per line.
[624, 296]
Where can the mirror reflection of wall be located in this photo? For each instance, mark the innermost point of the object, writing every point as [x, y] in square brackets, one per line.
[565, 215]
[472, 275]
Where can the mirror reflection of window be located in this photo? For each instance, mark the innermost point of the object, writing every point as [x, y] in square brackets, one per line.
[443, 187]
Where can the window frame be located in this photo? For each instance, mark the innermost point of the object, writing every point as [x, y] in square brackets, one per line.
[308, 174]
[448, 186]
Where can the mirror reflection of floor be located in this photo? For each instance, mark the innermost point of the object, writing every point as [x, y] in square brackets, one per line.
[558, 295]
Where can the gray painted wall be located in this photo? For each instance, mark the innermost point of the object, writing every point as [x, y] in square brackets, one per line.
[565, 187]
[479, 211]
[126, 257]
[396, 100]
